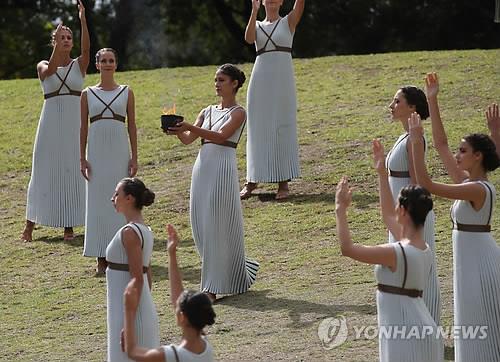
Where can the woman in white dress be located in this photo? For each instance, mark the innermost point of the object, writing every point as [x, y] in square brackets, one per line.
[108, 158]
[401, 271]
[129, 259]
[215, 206]
[193, 311]
[56, 192]
[410, 99]
[272, 145]
[476, 255]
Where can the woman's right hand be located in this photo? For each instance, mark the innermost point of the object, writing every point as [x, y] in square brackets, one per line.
[343, 194]
[85, 169]
[431, 85]
[378, 156]
[173, 239]
[256, 5]
[416, 130]
[493, 118]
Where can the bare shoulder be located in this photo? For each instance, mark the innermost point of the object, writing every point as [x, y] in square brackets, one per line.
[129, 234]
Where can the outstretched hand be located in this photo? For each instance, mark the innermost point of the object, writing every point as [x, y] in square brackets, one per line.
[173, 239]
[415, 125]
[343, 194]
[431, 85]
[81, 10]
[378, 156]
[493, 118]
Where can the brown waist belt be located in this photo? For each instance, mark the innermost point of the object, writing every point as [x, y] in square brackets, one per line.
[413, 293]
[277, 49]
[399, 174]
[116, 117]
[472, 228]
[123, 267]
[225, 143]
[56, 93]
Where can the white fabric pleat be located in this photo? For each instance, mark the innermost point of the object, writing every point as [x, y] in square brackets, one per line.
[476, 282]
[108, 155]
[397, 160]
[272, 144]
[216, 216]
[56, 191]
[147, 326]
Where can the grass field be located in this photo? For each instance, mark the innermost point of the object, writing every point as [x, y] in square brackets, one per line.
[53, 308]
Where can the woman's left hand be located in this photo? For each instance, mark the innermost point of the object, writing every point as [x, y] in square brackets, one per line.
[343, 194]
[173, 239]
[415, 127]
[132, 168]
[493, 118]
[81, 10]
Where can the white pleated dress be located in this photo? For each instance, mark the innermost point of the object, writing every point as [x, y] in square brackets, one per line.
[185, 355]
[56, 191]
[216, 216]
[108, 155]
[146, 322]
[476, 281]
[397, 162]
[418, 339]
[272, 145]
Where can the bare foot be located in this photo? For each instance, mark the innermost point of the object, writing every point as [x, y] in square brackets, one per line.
[283, 191]
[247, 190]
[27, 235]
[68, 234]
[101, 266]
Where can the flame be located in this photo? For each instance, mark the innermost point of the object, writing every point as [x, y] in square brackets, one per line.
[169, 110]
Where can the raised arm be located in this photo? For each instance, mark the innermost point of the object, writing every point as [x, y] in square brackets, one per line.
[236, 119]
[296, 14]
[84, 127]
[251, 30]
[438, 133]
[44, 68]
[132, 133]
[174, 274]
[84, 58]
[385, 194]
[471, 191]
[380, 254]
[493, 120]
[131, 299]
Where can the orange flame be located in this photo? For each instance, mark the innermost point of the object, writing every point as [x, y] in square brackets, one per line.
[169, 110]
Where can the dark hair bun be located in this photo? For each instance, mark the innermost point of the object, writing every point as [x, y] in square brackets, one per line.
[233, 72]
[483, 143]
[135, 187]
[198, 309]
[417, 201]
[416, 97]
[148, 197]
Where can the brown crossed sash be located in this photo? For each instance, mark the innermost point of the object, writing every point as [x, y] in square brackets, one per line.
[210, 125]
[277, 48]
[63, 83]
[115, 116]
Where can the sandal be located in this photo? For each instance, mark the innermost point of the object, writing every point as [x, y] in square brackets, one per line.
[247, 190]
[282, 194]
[102, 264]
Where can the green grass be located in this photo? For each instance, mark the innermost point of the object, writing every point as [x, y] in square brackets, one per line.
[53, 308]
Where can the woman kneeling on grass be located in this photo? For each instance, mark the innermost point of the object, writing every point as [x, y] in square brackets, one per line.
[402, 268]
[193, 311]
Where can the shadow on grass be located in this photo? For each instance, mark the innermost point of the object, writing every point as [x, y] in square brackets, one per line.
[76, 242]
[449, 353]
[297, 309]
[192, 275]
[360, 200]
